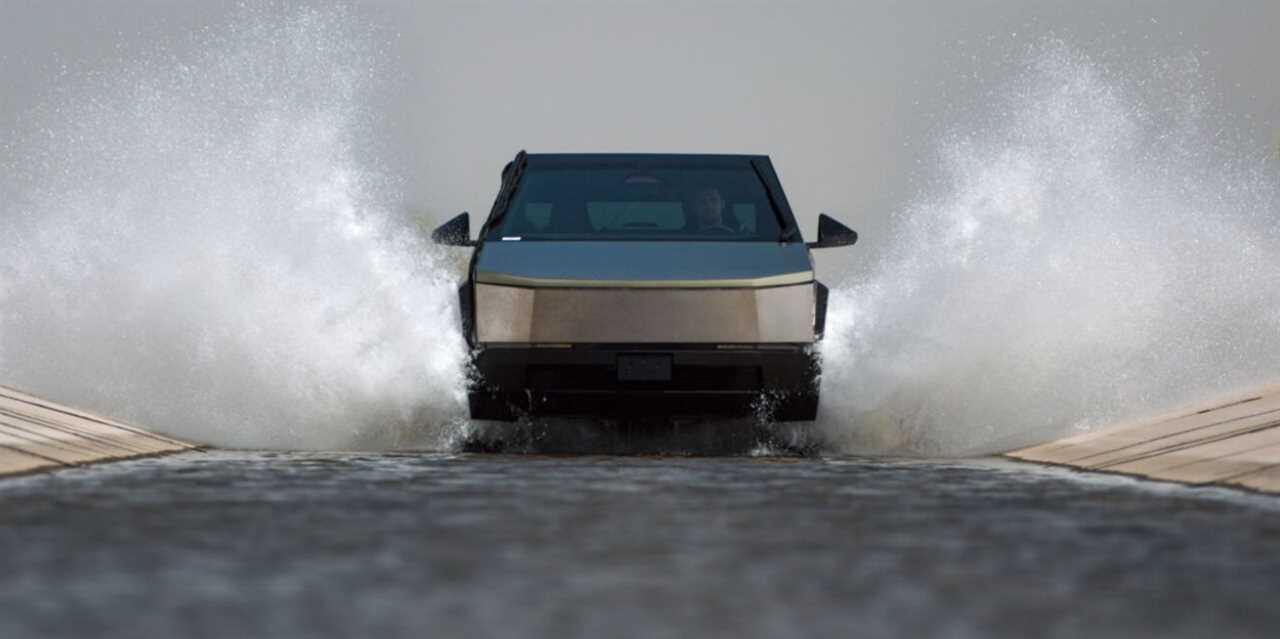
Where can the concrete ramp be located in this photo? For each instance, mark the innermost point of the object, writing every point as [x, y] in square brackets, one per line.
[37, 434]
[1234, 442]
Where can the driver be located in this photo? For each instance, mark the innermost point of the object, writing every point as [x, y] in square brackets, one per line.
[708, 210]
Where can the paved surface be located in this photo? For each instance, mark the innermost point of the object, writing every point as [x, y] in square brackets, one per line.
[224, 544]
[36, 434]
[1234, 442]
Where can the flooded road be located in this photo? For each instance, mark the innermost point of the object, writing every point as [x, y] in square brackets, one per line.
[286, 544]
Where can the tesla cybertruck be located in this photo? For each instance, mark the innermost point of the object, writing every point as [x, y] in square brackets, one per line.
[674, 285]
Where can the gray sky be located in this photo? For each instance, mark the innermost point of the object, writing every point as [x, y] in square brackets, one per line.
[847, 98]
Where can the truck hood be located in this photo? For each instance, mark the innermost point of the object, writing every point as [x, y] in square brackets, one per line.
[632, 264]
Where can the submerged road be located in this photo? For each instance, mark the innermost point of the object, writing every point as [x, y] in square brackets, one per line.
[224, 544]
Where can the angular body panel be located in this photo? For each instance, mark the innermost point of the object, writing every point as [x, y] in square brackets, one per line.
[643, 264]
[774, 315]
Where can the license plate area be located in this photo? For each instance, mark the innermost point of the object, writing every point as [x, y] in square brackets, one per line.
[644, 368]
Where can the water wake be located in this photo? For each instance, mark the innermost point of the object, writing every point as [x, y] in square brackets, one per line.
[1096, 248]
[202, 244]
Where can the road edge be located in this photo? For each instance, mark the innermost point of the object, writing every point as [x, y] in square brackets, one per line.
[38, 435]
[1233, 442]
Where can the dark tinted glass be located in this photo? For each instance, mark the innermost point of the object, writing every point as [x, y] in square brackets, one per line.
[640, 202]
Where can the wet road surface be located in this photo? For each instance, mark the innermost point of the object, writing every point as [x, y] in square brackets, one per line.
[225, 544]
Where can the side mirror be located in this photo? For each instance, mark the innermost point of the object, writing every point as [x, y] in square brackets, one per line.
[455, 232]
[832, 233]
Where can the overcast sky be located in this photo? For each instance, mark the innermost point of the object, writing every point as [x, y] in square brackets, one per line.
[846, 97]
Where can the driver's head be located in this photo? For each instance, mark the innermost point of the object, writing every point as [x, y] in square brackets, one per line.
[708, 207]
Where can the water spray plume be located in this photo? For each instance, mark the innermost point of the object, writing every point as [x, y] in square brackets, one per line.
[1096, 249]
[199, 244]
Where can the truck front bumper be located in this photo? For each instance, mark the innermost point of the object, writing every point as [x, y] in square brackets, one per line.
[644, 379]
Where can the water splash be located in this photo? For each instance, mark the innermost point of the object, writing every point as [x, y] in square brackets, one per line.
[206, 244]
[201, 243]
[1098, 247]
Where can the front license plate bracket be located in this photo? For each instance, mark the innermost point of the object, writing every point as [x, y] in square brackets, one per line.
[644, 368]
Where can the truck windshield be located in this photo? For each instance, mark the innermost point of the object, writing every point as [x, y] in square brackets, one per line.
[723, 203]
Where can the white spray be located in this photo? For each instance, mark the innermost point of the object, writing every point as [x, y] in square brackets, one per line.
[1096, 249]
[202, 244]
[205, 245]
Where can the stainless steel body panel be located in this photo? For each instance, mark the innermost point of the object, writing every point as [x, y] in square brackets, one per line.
[617, 264]
[537, 282]
[508, 314]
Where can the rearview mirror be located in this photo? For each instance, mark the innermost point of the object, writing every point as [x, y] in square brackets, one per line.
[455, 232]
[832, 233]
